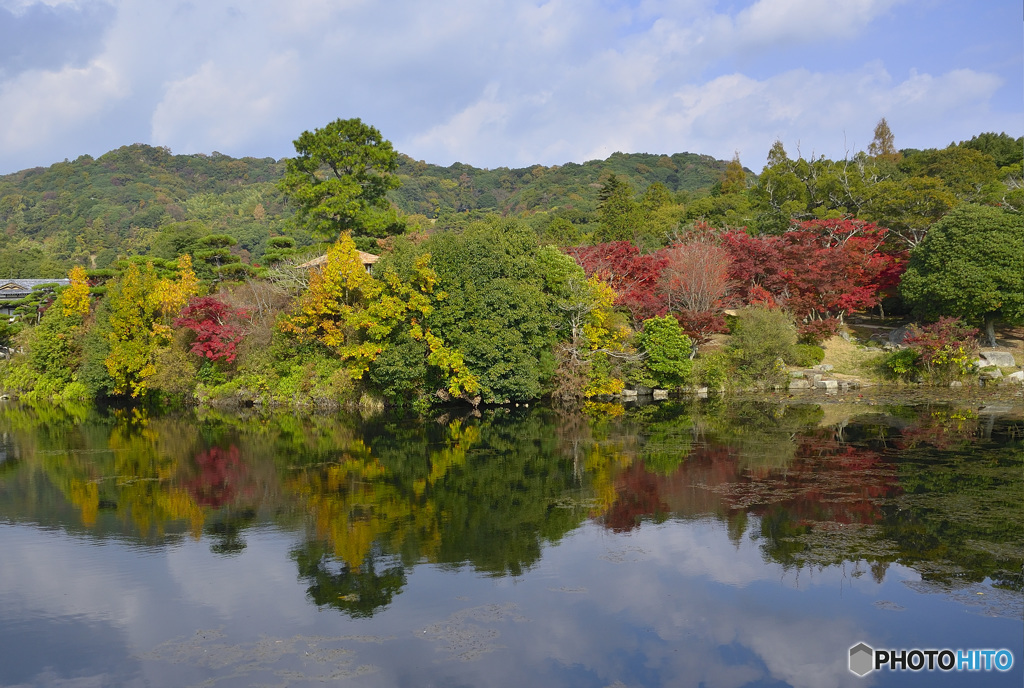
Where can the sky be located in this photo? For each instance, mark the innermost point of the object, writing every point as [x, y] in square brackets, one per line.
[510, 83]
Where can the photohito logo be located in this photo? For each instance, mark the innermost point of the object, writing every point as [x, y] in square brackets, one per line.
[865, 659]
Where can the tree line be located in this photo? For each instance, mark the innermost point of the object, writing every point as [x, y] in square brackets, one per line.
[562, 303]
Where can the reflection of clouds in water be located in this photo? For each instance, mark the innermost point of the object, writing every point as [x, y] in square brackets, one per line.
[260, 581]
[695, 625]
[676, 604]
[54, 574]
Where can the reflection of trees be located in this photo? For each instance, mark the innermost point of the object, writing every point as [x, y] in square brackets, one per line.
[488, 491]
[126, 472]
[492, 489]
[359, 591]
[826, 495]
[960, 517]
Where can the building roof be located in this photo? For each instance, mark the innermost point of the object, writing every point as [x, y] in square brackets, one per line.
[17, 288]
[367, 258]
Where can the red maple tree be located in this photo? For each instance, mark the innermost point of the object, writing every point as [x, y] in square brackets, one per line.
[216, 327]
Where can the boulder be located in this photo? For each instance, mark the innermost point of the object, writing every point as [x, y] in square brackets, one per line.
[628, 394]
[897, 336]
[1017, 377]
[828, 385]
[991, 374]
[660, 394]
[799, 384]
[1003, 359]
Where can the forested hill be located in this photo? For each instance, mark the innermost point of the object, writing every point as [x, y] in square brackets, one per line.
[142, 199]
[90, 210]
[427, 189]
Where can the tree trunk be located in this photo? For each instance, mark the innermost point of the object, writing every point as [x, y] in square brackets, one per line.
[990, 330]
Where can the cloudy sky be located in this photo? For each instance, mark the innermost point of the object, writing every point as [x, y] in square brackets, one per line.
[505, 82]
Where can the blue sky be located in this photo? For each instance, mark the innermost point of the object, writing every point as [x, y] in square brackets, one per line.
[506, 82]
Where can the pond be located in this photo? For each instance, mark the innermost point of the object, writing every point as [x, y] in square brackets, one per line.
[701, 543]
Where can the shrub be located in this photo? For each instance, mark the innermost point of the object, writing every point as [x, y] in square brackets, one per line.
[817, 331]
[903, 364]
[668, 350]
[712, 370]
[946, 349]
[807, 355]
[763, 339]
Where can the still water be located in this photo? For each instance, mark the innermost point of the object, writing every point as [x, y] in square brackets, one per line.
[710, 543]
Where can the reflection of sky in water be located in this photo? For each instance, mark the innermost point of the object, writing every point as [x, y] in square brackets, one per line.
[673, 604]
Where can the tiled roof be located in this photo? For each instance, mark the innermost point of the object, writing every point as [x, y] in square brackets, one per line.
[18, 288]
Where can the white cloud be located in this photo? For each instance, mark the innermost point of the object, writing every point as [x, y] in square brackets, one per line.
[41, 104]
[776, 22]
[218, 106]
[496, 82]
[19, 7]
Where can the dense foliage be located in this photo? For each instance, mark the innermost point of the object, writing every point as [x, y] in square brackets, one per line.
[971, 265]
[598, 276]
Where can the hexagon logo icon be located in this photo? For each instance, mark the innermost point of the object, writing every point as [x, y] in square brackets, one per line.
[862, 659]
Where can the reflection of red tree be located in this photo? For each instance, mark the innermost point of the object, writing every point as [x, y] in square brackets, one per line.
[636, 496]
[942, 430]
[220, 475]
[827, 480]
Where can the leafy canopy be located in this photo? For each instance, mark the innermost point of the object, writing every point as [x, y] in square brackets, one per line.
[970, 265]
[340, 178]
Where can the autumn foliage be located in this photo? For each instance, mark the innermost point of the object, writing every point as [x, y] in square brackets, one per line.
[633, 276]
[818, 270]
[216, 328]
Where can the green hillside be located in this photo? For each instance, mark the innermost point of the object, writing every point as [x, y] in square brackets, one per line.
[142, 199]
[429, 189]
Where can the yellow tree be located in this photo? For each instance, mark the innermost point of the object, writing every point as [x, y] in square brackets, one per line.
[735, 179]
[353, 314]
[883, 146]
[75, 299]
[169, 296]
[137, 300]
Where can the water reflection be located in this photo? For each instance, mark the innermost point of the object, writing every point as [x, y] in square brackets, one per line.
[684, 544]
[935, 488]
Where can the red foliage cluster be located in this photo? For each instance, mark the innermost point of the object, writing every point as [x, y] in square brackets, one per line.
[820, 269]
[938, 340]
[216, 328]
[219, 473]
[633, 276]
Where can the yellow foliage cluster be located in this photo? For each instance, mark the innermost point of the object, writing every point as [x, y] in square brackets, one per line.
[141, 309]
[605, 334]
[75, 299]
[352, 313]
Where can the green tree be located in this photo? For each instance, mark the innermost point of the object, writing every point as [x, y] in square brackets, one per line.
[1004, 150]
[496, 310]
[340, 179]
[667, 350]
[618, 212]
[762, 340]
[908, 207]
[970, 265]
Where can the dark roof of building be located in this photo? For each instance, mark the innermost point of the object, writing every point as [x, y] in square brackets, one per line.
[17, 288]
